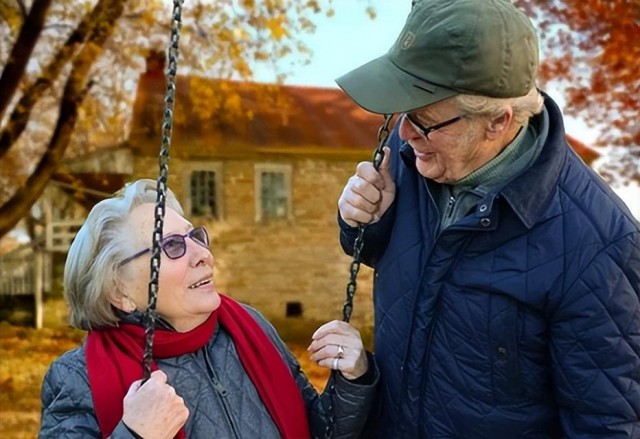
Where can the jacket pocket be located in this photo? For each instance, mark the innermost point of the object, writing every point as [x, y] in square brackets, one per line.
[506, 380]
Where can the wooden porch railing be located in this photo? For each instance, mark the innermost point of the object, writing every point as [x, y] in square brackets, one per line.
[16, 271]
[27, 269]
[60, 233]
[22, 273]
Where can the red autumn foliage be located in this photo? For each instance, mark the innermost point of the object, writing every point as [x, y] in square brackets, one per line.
[592, 48]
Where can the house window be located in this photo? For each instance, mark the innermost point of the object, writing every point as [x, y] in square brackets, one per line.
[273, 189]
[204, 191]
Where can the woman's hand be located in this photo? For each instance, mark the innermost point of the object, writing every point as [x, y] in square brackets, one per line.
[153, 409]
[338, 345]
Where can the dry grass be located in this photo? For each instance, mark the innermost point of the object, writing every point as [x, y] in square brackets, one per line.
[25, 354]
[24, 357]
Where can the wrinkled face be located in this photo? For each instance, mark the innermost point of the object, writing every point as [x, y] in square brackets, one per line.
[449, 153]
[187, 293]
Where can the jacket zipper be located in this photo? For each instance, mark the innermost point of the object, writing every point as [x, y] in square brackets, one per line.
[423, 385]
[222, 392]
[451, 206]
[402, 427]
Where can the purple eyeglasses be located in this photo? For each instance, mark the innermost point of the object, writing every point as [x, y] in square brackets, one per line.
[175, 246]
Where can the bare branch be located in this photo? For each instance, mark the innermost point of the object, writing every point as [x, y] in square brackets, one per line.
[23, 8]
[21, 51]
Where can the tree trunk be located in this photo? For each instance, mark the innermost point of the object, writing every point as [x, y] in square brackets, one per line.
[74, 92]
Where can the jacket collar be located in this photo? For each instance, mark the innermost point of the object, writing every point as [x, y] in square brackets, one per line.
[530, 193]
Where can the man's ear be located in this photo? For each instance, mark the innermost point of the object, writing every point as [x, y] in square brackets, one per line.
[122, 301]
[499, 125]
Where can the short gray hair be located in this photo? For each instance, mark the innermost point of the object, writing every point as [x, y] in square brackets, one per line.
[91, 271]
[523, 107]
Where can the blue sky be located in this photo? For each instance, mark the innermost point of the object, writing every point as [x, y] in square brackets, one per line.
[346, 40]
[350, 38]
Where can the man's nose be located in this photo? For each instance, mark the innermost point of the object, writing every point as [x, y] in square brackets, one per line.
[407, 131]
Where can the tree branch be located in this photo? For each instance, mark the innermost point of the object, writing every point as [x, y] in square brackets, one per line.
[22, 112]
[23, 8]
[74, 92]
[21, 51]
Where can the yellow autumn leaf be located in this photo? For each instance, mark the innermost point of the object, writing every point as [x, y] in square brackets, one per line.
[276, 28]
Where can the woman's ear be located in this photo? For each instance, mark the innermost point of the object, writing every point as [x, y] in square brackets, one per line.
[122, 301]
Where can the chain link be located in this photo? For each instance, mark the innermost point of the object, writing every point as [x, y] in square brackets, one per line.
[378, 156]
[347, 309]
[163, 162]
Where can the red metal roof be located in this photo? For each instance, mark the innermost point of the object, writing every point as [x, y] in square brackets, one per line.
[266, 116]
[252, 118]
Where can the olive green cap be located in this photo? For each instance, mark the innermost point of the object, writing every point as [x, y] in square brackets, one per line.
[448, 47]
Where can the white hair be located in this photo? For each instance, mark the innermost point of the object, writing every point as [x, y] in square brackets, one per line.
[91, 271]
[523, 107]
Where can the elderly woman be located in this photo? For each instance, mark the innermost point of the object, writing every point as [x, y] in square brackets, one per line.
[220, 369]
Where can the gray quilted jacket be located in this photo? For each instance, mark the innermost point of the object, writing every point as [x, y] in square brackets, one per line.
[222, 401]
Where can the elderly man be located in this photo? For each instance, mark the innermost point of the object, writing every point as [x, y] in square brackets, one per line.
[507, 273]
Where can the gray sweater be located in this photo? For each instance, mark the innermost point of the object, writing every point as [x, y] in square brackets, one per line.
[222, 400]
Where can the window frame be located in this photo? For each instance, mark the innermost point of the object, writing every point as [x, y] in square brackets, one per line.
[286, 170]
[216, 168]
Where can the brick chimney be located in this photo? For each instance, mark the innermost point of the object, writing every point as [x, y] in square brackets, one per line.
[147, 108]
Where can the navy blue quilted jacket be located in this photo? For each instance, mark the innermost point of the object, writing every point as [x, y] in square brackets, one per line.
[521, 320]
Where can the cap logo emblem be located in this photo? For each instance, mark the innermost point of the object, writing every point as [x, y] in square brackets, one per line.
[407, 40]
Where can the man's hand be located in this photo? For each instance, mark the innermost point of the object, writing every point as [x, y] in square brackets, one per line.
[368, 194]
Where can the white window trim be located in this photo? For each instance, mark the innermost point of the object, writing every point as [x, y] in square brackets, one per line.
[259, 168]
[194, 166]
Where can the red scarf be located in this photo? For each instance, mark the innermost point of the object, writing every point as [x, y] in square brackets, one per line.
[114, 361]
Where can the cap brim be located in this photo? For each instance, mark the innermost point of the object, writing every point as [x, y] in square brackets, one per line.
[381, 87]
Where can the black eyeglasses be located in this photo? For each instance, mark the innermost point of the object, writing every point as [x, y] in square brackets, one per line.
[175, 246]
[425, 131]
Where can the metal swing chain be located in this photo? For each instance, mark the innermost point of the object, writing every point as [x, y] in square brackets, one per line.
[163, 161]
[378, 156]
